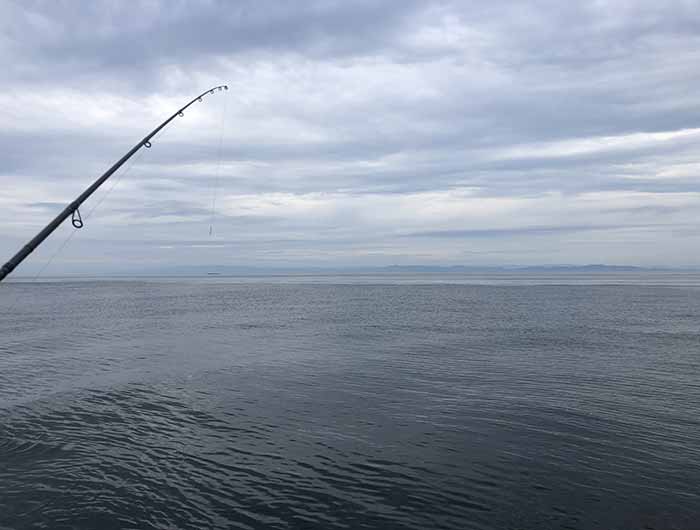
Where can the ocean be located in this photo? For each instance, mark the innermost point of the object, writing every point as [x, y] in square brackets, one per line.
[407, 401]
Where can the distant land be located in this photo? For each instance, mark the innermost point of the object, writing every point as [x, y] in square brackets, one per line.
[235, 270]
[243, 270]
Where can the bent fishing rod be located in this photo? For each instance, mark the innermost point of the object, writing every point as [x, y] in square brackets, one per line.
[73, 208]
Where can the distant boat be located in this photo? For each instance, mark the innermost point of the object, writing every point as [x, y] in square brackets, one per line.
[213, 273]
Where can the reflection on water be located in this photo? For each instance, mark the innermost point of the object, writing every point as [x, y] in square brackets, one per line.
[353, 403]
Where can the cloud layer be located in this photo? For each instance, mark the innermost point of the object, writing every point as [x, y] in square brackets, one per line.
[355, 133]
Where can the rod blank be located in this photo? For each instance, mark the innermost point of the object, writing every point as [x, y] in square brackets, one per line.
[37, 240]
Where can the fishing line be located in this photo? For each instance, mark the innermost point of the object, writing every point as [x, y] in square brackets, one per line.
[218, 168]
[118, 178]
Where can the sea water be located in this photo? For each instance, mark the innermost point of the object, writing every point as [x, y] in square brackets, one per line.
[506, 401]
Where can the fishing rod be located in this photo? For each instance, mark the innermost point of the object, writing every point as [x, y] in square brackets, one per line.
[73, 208]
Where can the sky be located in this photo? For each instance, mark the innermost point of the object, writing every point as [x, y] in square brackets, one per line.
[354, 133]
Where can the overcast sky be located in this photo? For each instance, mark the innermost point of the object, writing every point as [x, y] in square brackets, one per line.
[354, 132]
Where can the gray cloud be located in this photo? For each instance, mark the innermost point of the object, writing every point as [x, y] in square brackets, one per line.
[120, 39]
[517, 231]
[350, 126]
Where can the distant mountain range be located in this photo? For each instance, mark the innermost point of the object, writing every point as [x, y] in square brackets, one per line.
[522, 268]
[233, 270]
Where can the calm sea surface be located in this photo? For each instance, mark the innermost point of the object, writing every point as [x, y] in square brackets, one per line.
[413, 401]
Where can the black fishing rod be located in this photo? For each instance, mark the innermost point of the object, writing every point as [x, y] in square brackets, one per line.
[73, 208]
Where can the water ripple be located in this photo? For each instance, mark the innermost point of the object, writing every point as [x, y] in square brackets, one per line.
[214, 405]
